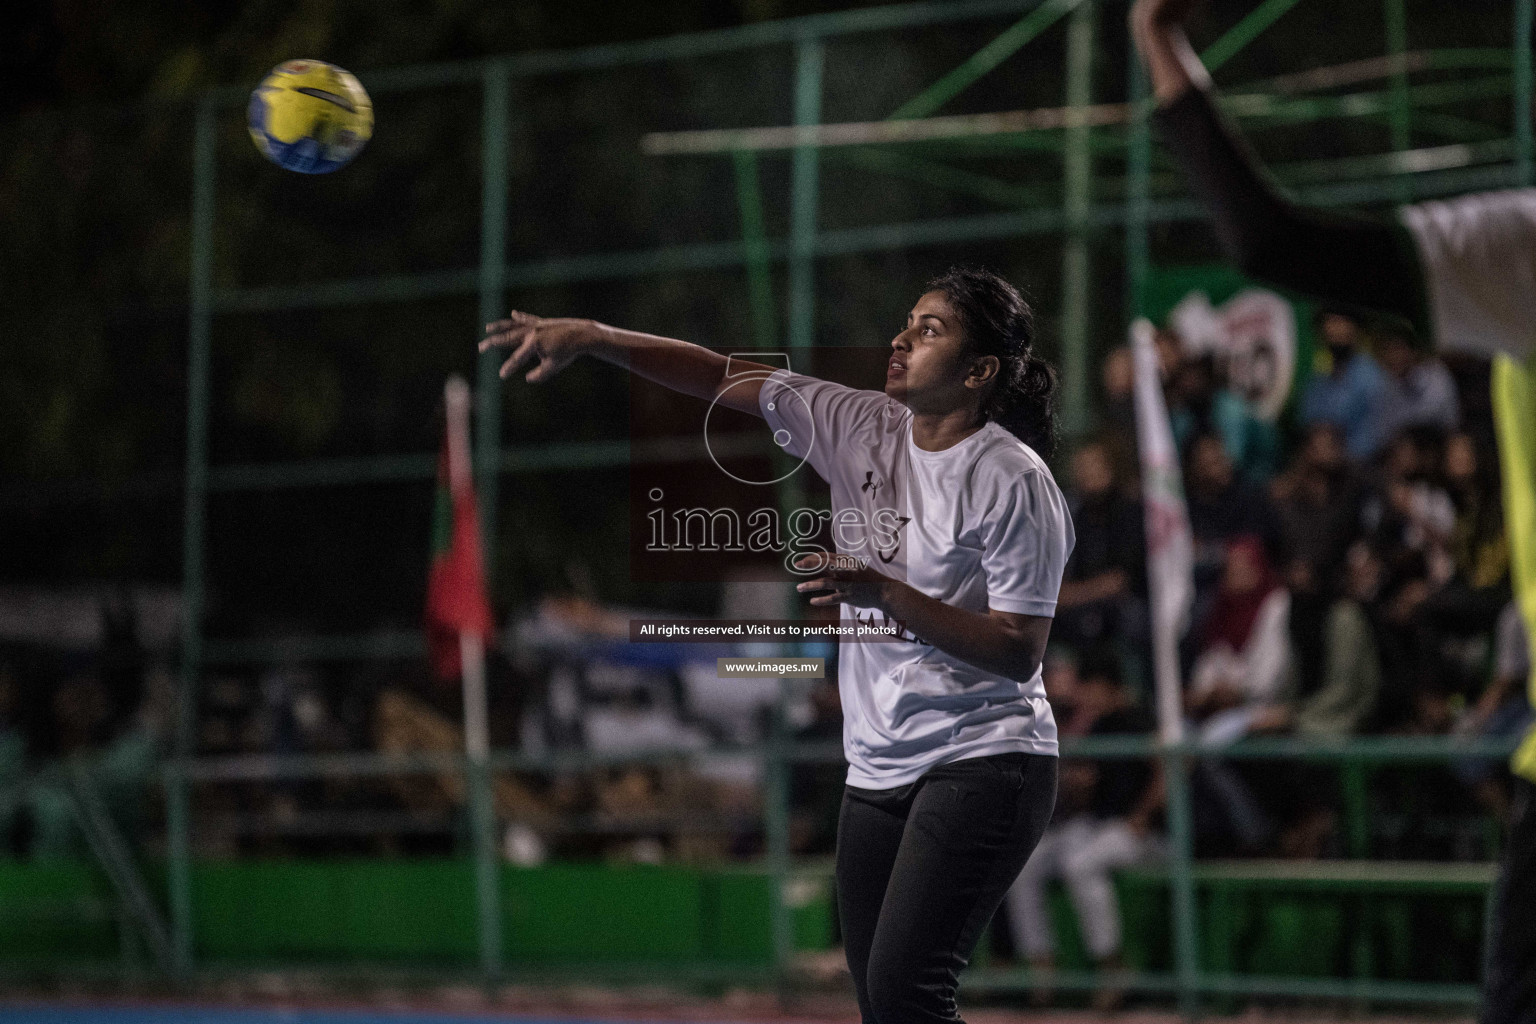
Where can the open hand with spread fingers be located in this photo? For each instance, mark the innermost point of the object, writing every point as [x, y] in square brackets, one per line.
[547, 345]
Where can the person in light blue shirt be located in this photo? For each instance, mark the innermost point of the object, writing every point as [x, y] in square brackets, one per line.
[1350, 395]
[1419, 392]
[1203, 404]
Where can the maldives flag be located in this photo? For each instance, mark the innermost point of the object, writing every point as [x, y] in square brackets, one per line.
[456, 599]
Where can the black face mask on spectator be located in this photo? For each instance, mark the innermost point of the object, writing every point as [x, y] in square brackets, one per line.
[1341, 353]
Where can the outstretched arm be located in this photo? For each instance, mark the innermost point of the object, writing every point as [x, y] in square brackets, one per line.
[547, 346]
[1336, 257]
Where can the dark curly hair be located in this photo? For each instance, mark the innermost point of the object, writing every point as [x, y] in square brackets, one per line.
[997, 321]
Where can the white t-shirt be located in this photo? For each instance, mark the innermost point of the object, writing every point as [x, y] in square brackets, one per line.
[980, 525]
[1478, 252]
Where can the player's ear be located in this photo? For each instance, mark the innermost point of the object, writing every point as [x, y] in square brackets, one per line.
[983, 369]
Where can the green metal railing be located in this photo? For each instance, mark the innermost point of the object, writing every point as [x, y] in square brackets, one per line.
[1189, 980]
[1076, 216]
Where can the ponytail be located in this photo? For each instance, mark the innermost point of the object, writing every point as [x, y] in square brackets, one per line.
[998, 322]
[1024, 402]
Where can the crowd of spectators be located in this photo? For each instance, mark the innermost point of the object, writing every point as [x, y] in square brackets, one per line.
[1351, 577]
[1351, 570]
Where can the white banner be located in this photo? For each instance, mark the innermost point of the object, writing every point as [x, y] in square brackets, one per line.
[1253, 339]
[1170, 545]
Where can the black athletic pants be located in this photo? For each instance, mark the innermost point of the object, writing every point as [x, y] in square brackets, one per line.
[1509, 985]
[1341, 258]
[921, 869]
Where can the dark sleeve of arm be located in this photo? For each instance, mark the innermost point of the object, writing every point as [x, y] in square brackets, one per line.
[1132, 542]
[1336, 257]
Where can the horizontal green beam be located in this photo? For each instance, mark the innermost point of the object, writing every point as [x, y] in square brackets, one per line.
[558, 455]
[266, 476]
[1427, 185]
[1364, 990]
[840, 242]
[1384, 750]
[381, 646]
[1355, 749]
[391, 288]
[944, 176]
[1447, 59]
[1361, 104]
[1408, 161]
[956, 128]
[368, 764]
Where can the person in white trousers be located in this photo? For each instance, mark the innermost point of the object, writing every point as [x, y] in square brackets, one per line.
[1105, 818]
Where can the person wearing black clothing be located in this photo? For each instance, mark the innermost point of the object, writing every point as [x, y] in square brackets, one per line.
[1103, 591]
[1221, 509]
[1104, 822]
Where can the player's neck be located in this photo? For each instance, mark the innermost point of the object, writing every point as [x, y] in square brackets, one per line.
[934, 432]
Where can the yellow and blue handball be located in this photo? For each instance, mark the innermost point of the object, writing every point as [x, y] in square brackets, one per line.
[310, 116]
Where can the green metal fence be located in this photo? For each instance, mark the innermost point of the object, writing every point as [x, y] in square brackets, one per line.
[1140, 198]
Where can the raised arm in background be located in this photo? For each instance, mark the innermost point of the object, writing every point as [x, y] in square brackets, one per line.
[1338, 257]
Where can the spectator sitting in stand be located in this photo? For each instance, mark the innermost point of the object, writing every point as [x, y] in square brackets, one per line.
[816, 787]
[1410, 512]
[1244, 653]
[1340, 703]
[1502, 710]
[1104, 822]
[1333, 707]
[1407, 658]
[1478, 548]
[1199, 402]
[1073, 716]
[1221, 508]
[1317, 504]
[1418, 390]
[1103, 593]
[1119, 380]
[1349, 393]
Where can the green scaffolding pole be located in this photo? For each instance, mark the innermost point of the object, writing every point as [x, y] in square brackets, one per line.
[1525, 15]
[755, 248]
[810, 55]
[1397, 45]
[1181, 877]
[1138, 179]
[1077, 171]
[804, 197]
[495, 124]
[178, 795]
[1400, 115]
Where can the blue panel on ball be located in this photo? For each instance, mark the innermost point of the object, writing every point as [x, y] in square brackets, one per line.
[256, 113]
[304, 156]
